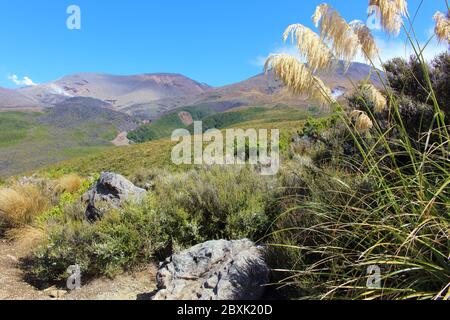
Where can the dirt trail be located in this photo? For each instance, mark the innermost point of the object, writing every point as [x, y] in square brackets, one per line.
[129, 286]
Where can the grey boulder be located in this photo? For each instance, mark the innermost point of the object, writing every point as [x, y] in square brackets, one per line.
[214, 270]
[113, 189]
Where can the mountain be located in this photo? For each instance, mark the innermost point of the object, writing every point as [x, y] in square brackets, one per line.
[13, 100]
[76, 112]
[263, 89]
[119, 91]
[149, 96]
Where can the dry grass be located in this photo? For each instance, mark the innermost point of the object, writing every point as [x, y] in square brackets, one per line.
[375, 96]
[366, 39]
[27, 238]
[442, 29]
[310, 46]
[70, 183]
[20, 205]
[335, 30]
[298, 78]
[390, 13]
[362, 120]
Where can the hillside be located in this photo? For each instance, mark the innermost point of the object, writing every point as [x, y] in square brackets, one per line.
[76, 127]
[120, 91]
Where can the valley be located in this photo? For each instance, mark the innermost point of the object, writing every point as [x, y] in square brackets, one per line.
[85, 113]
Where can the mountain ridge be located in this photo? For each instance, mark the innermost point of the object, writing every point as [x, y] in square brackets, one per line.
[150, 95]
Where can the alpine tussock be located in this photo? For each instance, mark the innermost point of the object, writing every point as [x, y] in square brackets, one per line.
[362, 120]
[310, 46]
[335, 30]
[442, 29]
[298, 78]
[375, 97]
[390, 13]
[366, 41]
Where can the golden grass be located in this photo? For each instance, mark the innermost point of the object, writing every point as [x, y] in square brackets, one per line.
[70, 183]
[362, 120]
[366, 39]
[310, 46]
[21, 204]
[379, 101]
[26, 238]
[298, 78]
[335, 30]
[390, 13]
[442, 29]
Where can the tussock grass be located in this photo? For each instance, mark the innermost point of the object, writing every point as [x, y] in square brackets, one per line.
[20, 205]
[390, 13]
[442, 29]
[381, 196]
[70, 183]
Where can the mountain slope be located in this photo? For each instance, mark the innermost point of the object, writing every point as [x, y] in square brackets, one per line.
[13, 100]
[75, 127]
[263, 89]
[119, 91]
[151, 95]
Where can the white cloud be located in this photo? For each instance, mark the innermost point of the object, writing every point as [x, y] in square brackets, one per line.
[25, 81]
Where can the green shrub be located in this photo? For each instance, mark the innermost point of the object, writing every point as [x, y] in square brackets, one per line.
[122, 240]
[219, 202]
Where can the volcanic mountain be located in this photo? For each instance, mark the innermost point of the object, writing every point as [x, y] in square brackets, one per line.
[148, 96]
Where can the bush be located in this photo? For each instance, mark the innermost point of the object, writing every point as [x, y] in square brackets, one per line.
[215, 203]
[122, 240]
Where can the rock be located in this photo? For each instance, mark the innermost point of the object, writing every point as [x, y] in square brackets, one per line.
[113, 189]
[214, 270]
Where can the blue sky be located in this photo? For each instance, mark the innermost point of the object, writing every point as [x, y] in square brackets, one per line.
[214, 41]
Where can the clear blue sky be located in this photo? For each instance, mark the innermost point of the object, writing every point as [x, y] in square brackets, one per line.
[213, 41]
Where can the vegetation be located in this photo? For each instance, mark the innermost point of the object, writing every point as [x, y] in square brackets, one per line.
[163, 127]
[26, 143]
[366, 186]
[380, 197]
[184, 209]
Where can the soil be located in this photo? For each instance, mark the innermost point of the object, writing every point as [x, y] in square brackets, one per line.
[137, 285]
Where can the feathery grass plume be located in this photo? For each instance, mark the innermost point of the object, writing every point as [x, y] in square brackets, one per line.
[390, 13]
[334, 29]
[317, 54]
[362, 120]
[442, 29]
[366, 40]
[375, 96]
[297, 77]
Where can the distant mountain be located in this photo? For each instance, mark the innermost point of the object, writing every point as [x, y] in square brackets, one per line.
[263, 89]
[13, 100]
[119, 91]
[149, 96]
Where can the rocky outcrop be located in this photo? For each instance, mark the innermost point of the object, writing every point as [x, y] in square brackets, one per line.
[214, 270]
[113, 189]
